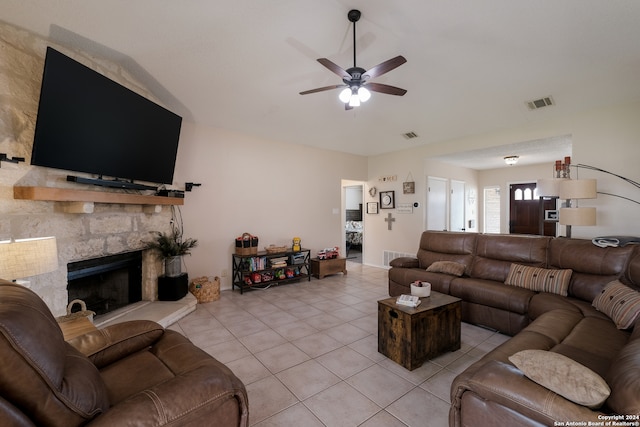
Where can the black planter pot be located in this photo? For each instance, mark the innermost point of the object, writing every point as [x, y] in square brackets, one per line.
[173, 288]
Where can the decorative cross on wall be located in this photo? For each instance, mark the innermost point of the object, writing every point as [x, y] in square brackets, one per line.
[390, 220]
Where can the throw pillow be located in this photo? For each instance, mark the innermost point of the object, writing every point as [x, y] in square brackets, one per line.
[564, 376]
[539, 279]
[447, 267]
[620, 303]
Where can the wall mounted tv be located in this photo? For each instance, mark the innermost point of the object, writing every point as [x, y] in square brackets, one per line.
[89, 123]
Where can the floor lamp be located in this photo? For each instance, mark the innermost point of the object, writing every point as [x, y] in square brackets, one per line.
[572, 190]
[27, 257]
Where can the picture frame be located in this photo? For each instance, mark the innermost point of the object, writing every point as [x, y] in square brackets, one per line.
[372, 207]
[387, 200]
[408, 187]
[551, 215]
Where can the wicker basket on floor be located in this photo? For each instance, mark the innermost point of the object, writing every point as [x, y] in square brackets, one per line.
[78, 314]
[205, 289]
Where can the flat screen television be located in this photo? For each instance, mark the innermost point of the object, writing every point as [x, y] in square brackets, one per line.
[89, 123]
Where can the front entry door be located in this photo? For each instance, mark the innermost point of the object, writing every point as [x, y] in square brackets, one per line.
[525, 212]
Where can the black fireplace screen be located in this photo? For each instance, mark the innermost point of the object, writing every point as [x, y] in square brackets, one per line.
[106, 283]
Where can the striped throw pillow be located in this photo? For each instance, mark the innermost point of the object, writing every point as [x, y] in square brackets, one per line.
[554, 281]
[620, 303]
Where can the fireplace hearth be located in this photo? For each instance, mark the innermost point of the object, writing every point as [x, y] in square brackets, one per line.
[107, 283]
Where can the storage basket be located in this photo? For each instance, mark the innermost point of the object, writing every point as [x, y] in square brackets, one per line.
[273, 249]
[78, 314]
[247, 244]
[205, 289]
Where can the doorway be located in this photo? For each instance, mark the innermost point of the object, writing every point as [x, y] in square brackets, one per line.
[526, 213]
[354, 225]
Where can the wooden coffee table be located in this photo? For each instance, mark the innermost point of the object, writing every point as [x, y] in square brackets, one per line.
[410, 336]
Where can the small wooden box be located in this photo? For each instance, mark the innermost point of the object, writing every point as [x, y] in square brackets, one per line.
[324, 267]
[410, 336]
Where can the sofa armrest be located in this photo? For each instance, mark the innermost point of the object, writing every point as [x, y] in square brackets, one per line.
[105, 346]
[405, 262]
[505, 385]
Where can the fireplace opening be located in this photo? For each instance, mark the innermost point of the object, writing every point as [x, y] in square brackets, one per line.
[106, 283]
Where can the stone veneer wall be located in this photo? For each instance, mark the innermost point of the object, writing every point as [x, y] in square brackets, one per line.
[111, 228]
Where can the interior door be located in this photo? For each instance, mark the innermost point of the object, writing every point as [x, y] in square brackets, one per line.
[436, 203]
[525, 215]
[456, 202]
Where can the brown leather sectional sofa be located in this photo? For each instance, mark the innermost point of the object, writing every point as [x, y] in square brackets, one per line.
[493, 391]
[129, 374]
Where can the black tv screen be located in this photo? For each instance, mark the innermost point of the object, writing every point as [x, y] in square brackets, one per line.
[89, 123]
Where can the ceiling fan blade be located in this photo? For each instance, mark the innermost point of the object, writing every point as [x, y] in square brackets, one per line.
[347, 107]
[382, 88]
[384, 67]
[335, 68]
[321, 89]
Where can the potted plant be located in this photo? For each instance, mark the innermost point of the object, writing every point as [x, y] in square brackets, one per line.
[172, 246]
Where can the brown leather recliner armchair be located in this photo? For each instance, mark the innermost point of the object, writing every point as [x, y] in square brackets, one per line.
[129, 374]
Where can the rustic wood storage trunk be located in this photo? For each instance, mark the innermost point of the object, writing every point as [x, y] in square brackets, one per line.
[410, 336]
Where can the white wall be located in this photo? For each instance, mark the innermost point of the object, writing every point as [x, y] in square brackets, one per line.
[607, 138]
[274, 190]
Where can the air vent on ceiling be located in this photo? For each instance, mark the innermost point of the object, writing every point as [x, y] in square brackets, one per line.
[540, 103]
[410, 135]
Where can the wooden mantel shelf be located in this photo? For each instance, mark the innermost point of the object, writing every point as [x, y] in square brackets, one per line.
[70, 195]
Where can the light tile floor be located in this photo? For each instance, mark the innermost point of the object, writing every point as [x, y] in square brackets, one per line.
[308, 354]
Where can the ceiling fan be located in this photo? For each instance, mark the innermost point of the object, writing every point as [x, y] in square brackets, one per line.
[356, 82]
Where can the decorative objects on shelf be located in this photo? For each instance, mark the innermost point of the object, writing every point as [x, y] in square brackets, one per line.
[247, 244]
[297, 244]
[27, 257]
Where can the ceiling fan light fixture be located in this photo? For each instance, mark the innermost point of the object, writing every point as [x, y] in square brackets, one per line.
[345, 95]
[364, 94]
[354, 101]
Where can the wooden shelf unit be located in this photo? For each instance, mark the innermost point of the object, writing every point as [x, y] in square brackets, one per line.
[70, 195]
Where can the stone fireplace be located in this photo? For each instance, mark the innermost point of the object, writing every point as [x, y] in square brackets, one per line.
[112, 228]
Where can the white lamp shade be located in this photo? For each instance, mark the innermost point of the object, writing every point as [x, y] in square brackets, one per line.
[577, 216]
[548, 187]
[345, 95]
[28, 257]
[354, 101]
[364, 94]
[578, 189]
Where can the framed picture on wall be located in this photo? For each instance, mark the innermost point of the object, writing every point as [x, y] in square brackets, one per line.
[387, 200]
[372, 207]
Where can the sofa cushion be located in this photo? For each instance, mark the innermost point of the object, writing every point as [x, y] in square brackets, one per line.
[593, 267]
[623, 378]
[538, 279]
[563, 375]
[491, 294]
[447, 267]
[57, 386]
[620, 303]
[446, 246]
[496, 253]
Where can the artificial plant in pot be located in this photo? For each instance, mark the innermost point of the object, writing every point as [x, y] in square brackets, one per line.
[172, 246]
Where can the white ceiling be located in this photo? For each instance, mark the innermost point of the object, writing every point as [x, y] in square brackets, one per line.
[240, 64]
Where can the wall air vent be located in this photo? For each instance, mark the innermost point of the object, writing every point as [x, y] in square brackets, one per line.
[410, 135]
[540, 103]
